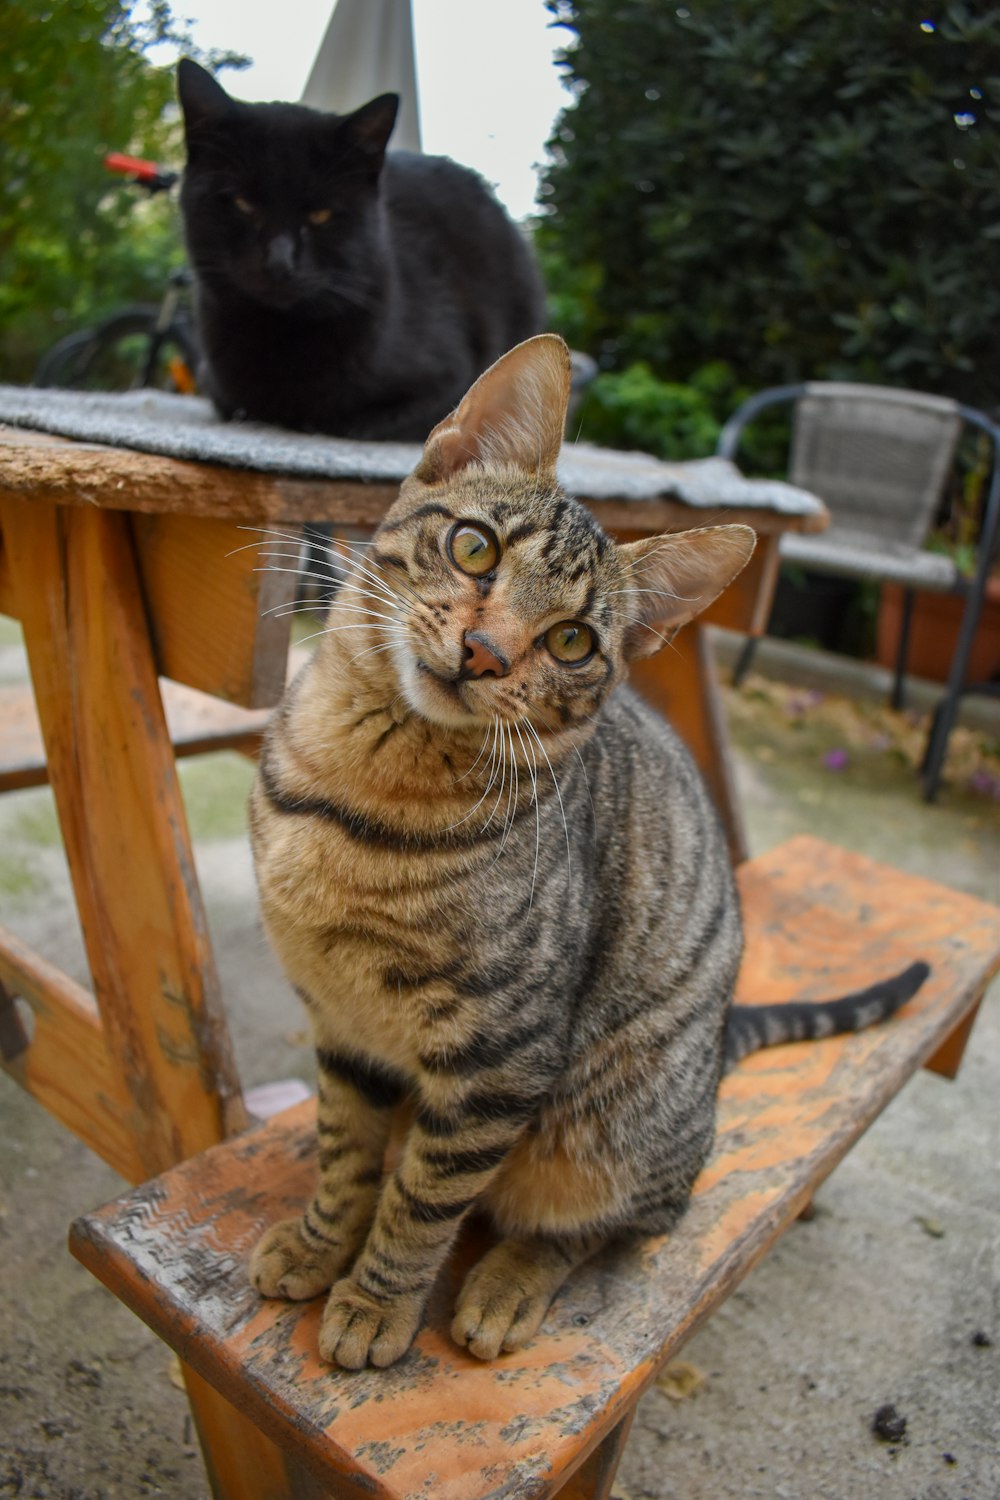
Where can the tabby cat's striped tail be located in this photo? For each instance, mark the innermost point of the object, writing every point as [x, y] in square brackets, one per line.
[750, 1027]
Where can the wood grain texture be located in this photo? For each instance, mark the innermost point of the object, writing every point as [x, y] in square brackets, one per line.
[681, 683]
[65, 1063]
[196, 723]
[440, 1424]
[64, 472]
[122, 819]
[7, 605]
[216, 613]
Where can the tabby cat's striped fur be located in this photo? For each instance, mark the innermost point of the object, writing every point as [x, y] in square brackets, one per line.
[495, 878]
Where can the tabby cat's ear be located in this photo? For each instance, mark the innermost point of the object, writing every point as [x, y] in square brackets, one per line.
[203, 101]
[676, 577]
[370, 127]
[513, 415]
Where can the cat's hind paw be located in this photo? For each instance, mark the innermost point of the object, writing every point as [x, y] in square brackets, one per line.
[360, 1329]
[285, 1264]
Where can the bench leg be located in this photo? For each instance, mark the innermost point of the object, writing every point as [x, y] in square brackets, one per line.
[948, 1058]
[593, 1480]
[241, 1461]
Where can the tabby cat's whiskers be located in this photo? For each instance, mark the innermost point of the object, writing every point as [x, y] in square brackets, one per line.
[533, 731]
[532, 770]
[490, 773]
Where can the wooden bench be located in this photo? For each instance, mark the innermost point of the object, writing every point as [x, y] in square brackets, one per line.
[554, 1416]
[196, 723]
[126, 568]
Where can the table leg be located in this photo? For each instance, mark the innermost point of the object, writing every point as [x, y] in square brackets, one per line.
[680, 682]
[122, 818]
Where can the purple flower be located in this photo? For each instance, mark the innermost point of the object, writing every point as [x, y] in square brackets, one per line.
[835, 760]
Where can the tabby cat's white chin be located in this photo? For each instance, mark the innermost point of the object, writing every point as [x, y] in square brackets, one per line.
[431, 696]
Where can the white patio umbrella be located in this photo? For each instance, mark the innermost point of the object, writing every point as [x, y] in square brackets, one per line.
[368, 50]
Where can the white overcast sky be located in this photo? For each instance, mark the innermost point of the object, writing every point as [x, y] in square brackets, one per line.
[489, 90]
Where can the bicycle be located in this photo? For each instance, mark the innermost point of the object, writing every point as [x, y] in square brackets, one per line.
[140, 344]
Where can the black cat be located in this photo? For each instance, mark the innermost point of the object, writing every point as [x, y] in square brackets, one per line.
[339, 289]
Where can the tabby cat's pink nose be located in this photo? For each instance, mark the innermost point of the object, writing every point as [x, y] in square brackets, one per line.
[481, 660]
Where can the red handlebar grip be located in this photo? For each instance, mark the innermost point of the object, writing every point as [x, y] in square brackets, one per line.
[132, 166]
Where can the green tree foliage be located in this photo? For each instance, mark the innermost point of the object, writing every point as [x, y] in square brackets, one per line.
[75, 83]
[797, 188]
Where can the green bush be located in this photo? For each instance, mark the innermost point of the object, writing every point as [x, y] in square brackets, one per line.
[801, 189]
[74, 241]
[634, 409]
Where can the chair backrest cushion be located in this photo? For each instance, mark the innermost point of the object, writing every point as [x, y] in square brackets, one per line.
[878, 457]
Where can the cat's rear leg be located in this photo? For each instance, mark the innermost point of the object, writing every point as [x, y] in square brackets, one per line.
[507, 1294]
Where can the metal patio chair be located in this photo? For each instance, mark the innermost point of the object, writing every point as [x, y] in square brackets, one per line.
[879, 458]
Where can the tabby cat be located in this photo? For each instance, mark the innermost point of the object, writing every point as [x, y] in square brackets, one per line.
[339, 289]
[495, 878]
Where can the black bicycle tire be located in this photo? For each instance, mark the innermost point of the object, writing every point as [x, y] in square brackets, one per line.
[69, 362]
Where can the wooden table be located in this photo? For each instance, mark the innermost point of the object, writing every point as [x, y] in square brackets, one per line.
[123, 566]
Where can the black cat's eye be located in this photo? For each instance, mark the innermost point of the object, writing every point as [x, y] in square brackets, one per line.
[243, 204]
[473, 548]
[570, 642]
[319, 215]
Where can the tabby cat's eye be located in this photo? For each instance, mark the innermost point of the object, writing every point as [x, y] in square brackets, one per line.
[319, 216]
[243, 204]
[570, 642]
[473, 548]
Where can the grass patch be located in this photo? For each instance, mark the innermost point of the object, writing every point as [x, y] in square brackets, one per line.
[35, 821]
[19, 876]
[215, 790]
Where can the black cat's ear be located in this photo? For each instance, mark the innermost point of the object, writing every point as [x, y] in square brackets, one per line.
[513, 415]
[370, 127]
[203, 100]
[675, 577]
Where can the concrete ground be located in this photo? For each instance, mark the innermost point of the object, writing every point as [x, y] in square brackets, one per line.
[887, 1295]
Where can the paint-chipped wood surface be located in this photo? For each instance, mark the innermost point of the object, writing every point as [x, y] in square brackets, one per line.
[440, 1424]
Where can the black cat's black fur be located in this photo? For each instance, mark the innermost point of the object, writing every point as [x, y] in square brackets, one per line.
[339, 289]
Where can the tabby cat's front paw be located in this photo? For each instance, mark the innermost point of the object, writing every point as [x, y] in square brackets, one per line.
[502, 1302]
[285, 1264]
[359, 1329]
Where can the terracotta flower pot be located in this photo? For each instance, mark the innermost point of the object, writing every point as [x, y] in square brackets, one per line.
[934, 632]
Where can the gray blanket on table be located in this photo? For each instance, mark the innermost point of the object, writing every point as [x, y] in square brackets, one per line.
[187, 427]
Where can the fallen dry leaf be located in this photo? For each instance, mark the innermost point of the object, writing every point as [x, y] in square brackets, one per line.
[679, 1380]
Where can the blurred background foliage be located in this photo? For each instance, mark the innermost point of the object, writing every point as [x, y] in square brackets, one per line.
[76, 82]
[746, 194]
[743, 192]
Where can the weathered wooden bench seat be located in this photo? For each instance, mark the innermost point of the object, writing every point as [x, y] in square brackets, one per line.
[553, 1417]
[196, 723]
